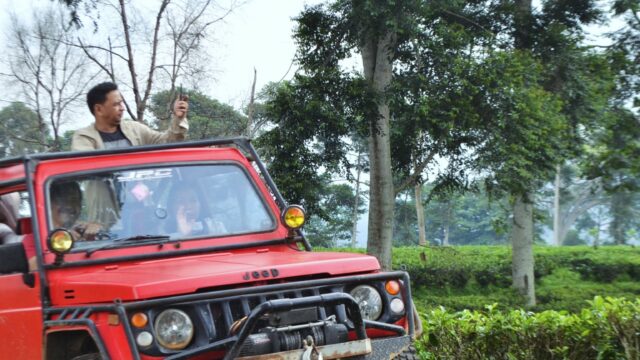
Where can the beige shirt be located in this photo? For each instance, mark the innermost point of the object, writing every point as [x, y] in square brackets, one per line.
[88, 138]
[102, 207]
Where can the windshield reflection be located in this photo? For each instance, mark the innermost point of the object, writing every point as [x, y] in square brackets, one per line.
[176, 202]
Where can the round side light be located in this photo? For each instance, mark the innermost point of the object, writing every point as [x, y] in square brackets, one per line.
[392, 287]
[144, 339]
[60, 241]
[139, 320]
[293, 216]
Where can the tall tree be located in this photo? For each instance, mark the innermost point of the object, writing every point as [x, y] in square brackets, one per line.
[327, 104]
[52, 75]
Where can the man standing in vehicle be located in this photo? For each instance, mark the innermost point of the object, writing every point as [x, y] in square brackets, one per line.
[109, 131]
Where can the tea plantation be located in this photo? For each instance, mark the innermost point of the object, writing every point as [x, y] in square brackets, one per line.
[588, 302]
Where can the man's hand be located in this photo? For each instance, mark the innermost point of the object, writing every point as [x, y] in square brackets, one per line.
[87, 230]
[181, 106]
[185, 224]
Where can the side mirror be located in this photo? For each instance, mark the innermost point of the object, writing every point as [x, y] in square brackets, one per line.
[13, 259]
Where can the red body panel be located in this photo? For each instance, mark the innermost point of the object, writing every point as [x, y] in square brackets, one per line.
[185, 275]
[20, 318]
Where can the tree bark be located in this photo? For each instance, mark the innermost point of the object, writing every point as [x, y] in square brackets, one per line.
[422, 235]
[354, 217]
[557, 240]
[522, 227]
[522, 248]
[252, 105]
[377, 63]
[447, 224]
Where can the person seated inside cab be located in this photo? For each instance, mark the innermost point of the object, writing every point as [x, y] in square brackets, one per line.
[188, 217]
[66, 205]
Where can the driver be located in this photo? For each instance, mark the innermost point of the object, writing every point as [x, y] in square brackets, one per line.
[66, 204]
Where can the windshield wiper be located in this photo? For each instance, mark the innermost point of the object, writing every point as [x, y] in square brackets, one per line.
[139, 239]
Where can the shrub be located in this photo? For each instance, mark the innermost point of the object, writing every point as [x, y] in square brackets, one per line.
[608, 329]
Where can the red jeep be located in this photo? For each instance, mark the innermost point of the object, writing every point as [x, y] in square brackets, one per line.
[182, 251]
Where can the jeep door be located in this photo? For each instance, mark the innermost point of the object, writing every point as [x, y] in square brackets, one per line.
[20, 318]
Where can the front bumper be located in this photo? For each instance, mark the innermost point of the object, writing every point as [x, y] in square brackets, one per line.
[231, 345]
[367, 349]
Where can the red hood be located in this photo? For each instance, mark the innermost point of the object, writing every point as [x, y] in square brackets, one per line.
[184, 275]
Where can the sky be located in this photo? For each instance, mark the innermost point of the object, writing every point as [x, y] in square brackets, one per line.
[256, 35]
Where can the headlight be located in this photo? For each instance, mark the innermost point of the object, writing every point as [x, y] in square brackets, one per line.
[173, 329]
[369, 301]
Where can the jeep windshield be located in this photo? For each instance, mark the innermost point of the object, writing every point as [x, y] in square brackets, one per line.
[162, 203]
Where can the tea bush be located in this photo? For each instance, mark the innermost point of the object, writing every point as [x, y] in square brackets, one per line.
[608, 329]
[470, 277]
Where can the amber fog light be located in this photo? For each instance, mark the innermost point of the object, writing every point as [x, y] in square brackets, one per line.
[60, 241]
[392, 287]
[293, 216]
[139, 320]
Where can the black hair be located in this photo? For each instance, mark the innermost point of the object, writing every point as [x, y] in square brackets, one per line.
[98, 94]
[61, 191]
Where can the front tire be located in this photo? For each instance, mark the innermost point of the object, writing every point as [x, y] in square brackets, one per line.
[409, 353]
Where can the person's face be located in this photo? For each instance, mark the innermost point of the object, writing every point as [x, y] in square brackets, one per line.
[65, 212]
[111, 111]
[188, 200]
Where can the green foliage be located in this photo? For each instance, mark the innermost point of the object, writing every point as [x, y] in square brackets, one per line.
[530, 135]
[207, 117]
[20, 132]
[470, 277]
[337, 202]
[309, 141]
[607, 329]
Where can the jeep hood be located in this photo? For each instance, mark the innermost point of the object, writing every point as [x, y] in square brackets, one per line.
[185, 275]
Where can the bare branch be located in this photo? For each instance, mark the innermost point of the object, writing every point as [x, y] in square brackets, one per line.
[417, 172]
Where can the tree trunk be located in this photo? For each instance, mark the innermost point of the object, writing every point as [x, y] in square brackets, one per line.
[557, 240]
[447, 224]
[252, 106]
[422, 235]
[522, 248]
[377, 63]
[356, 201]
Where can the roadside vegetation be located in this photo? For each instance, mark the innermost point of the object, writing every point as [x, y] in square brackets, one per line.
[473, 277]
[588, 302]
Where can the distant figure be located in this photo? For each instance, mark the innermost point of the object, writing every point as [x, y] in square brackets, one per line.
[9, 204]
[109, 131]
